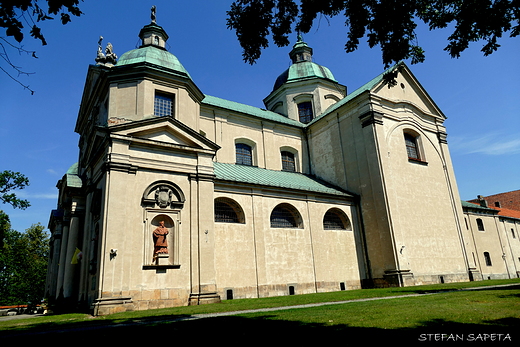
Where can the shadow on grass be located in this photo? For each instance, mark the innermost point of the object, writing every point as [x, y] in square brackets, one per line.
[262, 330]
[412, 290]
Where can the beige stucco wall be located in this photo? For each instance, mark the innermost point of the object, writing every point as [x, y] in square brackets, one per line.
[496, 239]
[255, 260]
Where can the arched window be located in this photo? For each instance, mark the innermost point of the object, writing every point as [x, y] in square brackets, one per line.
[305, 113]
[335, 219]
[228, 211]
[411, 146]
[480, 224]
[285, 216]
[244, 154]
[487, 257]
[288, 162]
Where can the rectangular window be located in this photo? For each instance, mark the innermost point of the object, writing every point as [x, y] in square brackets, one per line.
[305, 111]
[480, 224]
[411, 147]
[244, 154]
[487, 257]
[163, 105]
[288, 163]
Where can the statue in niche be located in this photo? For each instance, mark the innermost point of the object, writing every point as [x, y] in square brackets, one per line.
[160, 242]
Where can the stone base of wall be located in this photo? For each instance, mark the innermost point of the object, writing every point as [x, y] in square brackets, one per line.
[285, 289]
[409, 279]
[135, 300]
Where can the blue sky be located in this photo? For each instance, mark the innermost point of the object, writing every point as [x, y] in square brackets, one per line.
[479, 95]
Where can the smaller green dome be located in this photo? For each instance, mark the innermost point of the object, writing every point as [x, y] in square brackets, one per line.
[302, 66]
[152, 55]
[303, 70]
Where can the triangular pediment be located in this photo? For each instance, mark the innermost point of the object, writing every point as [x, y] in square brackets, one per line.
[407, 89]
[164, 131]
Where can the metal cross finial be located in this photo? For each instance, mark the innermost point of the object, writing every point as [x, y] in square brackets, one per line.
[153, 13]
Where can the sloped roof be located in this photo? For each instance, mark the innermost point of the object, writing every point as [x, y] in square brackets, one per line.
[273, 178]
[506, 212]
[466, 204]
[72, 177]
[503, 212]
[249, 110]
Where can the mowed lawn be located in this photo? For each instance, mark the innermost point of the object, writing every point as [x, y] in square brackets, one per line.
[441, 313]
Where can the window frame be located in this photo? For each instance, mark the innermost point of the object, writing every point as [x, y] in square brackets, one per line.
[232, 206]
[159, 98]
[337, 215]
[240, 156]
[288, 161]
[281, 211]
[306, 107]
[487, 259]
[480, 224]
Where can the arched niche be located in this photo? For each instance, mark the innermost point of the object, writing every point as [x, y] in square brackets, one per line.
[162, 201]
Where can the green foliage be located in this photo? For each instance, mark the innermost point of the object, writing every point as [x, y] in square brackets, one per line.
[23, 265]
[14, 13]
[10, 180]
[390, 24]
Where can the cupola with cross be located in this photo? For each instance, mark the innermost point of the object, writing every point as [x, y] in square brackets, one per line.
[305, 89]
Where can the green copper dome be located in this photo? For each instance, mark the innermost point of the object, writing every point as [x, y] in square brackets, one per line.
[303, 70]
[152, 55]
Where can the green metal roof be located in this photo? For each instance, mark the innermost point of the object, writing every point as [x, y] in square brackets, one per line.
[72, 177]
[249, 110]
[152, 55]
[466, 204]
[272, 178]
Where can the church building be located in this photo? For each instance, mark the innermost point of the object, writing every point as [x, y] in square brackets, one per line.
[182, 198]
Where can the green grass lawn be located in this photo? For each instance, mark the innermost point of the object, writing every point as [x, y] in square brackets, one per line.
[414, 320]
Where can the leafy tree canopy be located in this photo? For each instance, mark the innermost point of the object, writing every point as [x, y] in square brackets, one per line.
[23, 265]
[22, 17]
[10, 180]
[390, 24]
[13, 15]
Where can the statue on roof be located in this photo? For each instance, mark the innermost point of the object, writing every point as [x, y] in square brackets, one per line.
[100, 58]
[111, 57]
[153, 13]
[107, 58]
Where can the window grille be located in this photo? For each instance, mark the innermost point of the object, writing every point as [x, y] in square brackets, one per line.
[163, 105]
[333, 221]
[225, 213]
[305, 111]
[288, 163]
[244, 154]
[282, 217]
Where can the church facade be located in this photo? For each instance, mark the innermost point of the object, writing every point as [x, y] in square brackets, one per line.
[181, 198]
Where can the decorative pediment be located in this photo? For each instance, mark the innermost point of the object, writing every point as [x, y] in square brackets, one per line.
[163, 131]
[407, 89]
